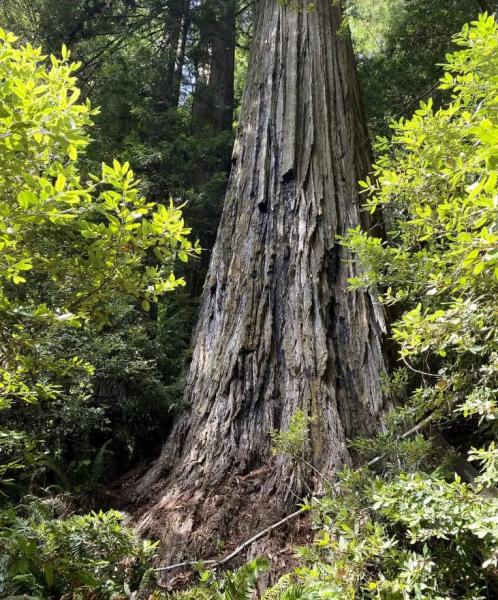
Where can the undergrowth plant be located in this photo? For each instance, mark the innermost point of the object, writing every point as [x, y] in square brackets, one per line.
[47, 553]
[232, 585]
[71, 243]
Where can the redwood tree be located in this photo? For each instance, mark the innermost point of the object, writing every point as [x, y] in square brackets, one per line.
[488, 6]
[213, 102]
[278, 329]
[172, 51]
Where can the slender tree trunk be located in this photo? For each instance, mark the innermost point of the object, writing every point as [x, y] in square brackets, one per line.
[212, 115]
[278, 329]
[214, 94]
[180, 55]
[488, 6]
[172, 53]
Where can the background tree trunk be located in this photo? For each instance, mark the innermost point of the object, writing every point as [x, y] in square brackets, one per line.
[214, 93]
[278, 330]
[488, 6]
[172, 52]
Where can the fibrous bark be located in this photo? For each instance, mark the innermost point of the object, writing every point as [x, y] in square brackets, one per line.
[278, 329]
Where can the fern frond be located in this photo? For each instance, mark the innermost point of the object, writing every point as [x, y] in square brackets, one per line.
[285, 589]
[242, 584]
[193, 594]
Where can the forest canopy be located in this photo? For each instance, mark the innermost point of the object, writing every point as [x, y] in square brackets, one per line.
[325, 209]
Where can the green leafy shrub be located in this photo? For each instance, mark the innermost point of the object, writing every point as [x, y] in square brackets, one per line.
[437, 182]
[76, 250]
[399, 44]
[72, 246]
[232, 585]
[46, 554]
[106, 421]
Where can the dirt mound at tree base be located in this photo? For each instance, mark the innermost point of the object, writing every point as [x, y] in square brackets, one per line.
[210, 526]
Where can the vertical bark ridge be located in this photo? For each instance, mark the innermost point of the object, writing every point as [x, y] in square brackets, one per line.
[278, 330]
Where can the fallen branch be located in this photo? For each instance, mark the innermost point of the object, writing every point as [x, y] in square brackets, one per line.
[188, 563]
[260, 535]
[238, 550]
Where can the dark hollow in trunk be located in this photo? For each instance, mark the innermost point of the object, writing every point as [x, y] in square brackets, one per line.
[278, 329]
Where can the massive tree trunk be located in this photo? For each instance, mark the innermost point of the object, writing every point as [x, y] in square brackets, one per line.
[278, 330]
[214, 93]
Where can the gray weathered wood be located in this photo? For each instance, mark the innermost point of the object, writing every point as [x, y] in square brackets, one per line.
[278, 330]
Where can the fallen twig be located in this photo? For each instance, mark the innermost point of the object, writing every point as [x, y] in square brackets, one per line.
[188, 563]
[260, 535]
[238, 550]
